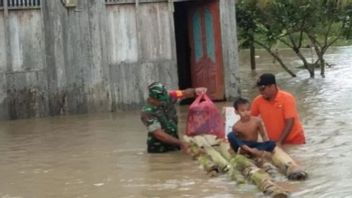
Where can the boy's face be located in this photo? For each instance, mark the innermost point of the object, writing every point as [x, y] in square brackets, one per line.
[243, 111]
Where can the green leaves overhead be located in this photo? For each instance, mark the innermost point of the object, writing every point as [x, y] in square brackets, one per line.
[276, 18]
[295, 23]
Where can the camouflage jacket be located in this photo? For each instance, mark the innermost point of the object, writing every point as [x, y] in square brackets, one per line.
[156, 117]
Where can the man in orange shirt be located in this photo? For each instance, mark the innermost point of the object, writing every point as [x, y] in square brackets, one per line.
[278, 111]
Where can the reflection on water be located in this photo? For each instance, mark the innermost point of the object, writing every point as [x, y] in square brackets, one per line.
[103, 155]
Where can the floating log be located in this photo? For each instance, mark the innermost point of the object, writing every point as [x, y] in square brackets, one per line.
[258, 176]
[239, 163]
[208, 165]
[220, 161]
[287, 165]
[235, 174]
[216, 157]
[266, 166]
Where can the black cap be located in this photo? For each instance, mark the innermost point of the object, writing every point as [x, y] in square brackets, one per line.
[266, 79]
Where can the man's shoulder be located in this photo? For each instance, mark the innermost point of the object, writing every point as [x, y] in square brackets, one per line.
[285, 93]
[258, 98]
[286, 97]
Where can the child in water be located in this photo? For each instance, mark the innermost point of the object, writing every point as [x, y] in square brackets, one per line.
[244, 135]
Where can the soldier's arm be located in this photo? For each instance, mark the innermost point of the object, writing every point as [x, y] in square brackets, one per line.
[187, 93]
[161, 135]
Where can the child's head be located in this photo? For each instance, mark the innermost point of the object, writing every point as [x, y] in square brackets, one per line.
[240, 101]
[241, 106]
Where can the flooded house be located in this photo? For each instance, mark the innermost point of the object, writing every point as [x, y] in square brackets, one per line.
[80, 56]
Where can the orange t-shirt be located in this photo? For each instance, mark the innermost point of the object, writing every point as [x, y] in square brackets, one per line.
[274, 113]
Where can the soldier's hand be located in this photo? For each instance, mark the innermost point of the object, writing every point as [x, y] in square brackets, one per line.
[185, 147]
[200, 90]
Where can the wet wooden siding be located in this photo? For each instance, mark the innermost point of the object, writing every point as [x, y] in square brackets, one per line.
[77, 67]
[146, 34]
[3, 65]
[92, 58]
[23, 84]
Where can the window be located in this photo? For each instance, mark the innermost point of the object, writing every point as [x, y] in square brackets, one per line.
[20, 4]
[119, 1]
[132, 1]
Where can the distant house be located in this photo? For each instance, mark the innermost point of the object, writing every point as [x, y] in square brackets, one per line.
[80, 56]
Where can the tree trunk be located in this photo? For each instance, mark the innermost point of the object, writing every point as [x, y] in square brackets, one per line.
[287, 165]
[279, 60]
[252, 55]
[305, 63]
[319, 52]
[322, 64]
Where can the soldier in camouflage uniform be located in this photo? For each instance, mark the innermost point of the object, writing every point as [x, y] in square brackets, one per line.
[160, 117]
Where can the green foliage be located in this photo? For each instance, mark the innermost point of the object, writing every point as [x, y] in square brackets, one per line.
[329, 17]
[295, 23]
[246, 20]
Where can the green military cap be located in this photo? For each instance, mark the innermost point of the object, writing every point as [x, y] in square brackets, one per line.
[158, 91]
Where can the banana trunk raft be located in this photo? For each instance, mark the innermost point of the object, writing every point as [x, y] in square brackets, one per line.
[216, 158]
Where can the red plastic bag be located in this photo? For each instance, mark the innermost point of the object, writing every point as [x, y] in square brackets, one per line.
[204, 118]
